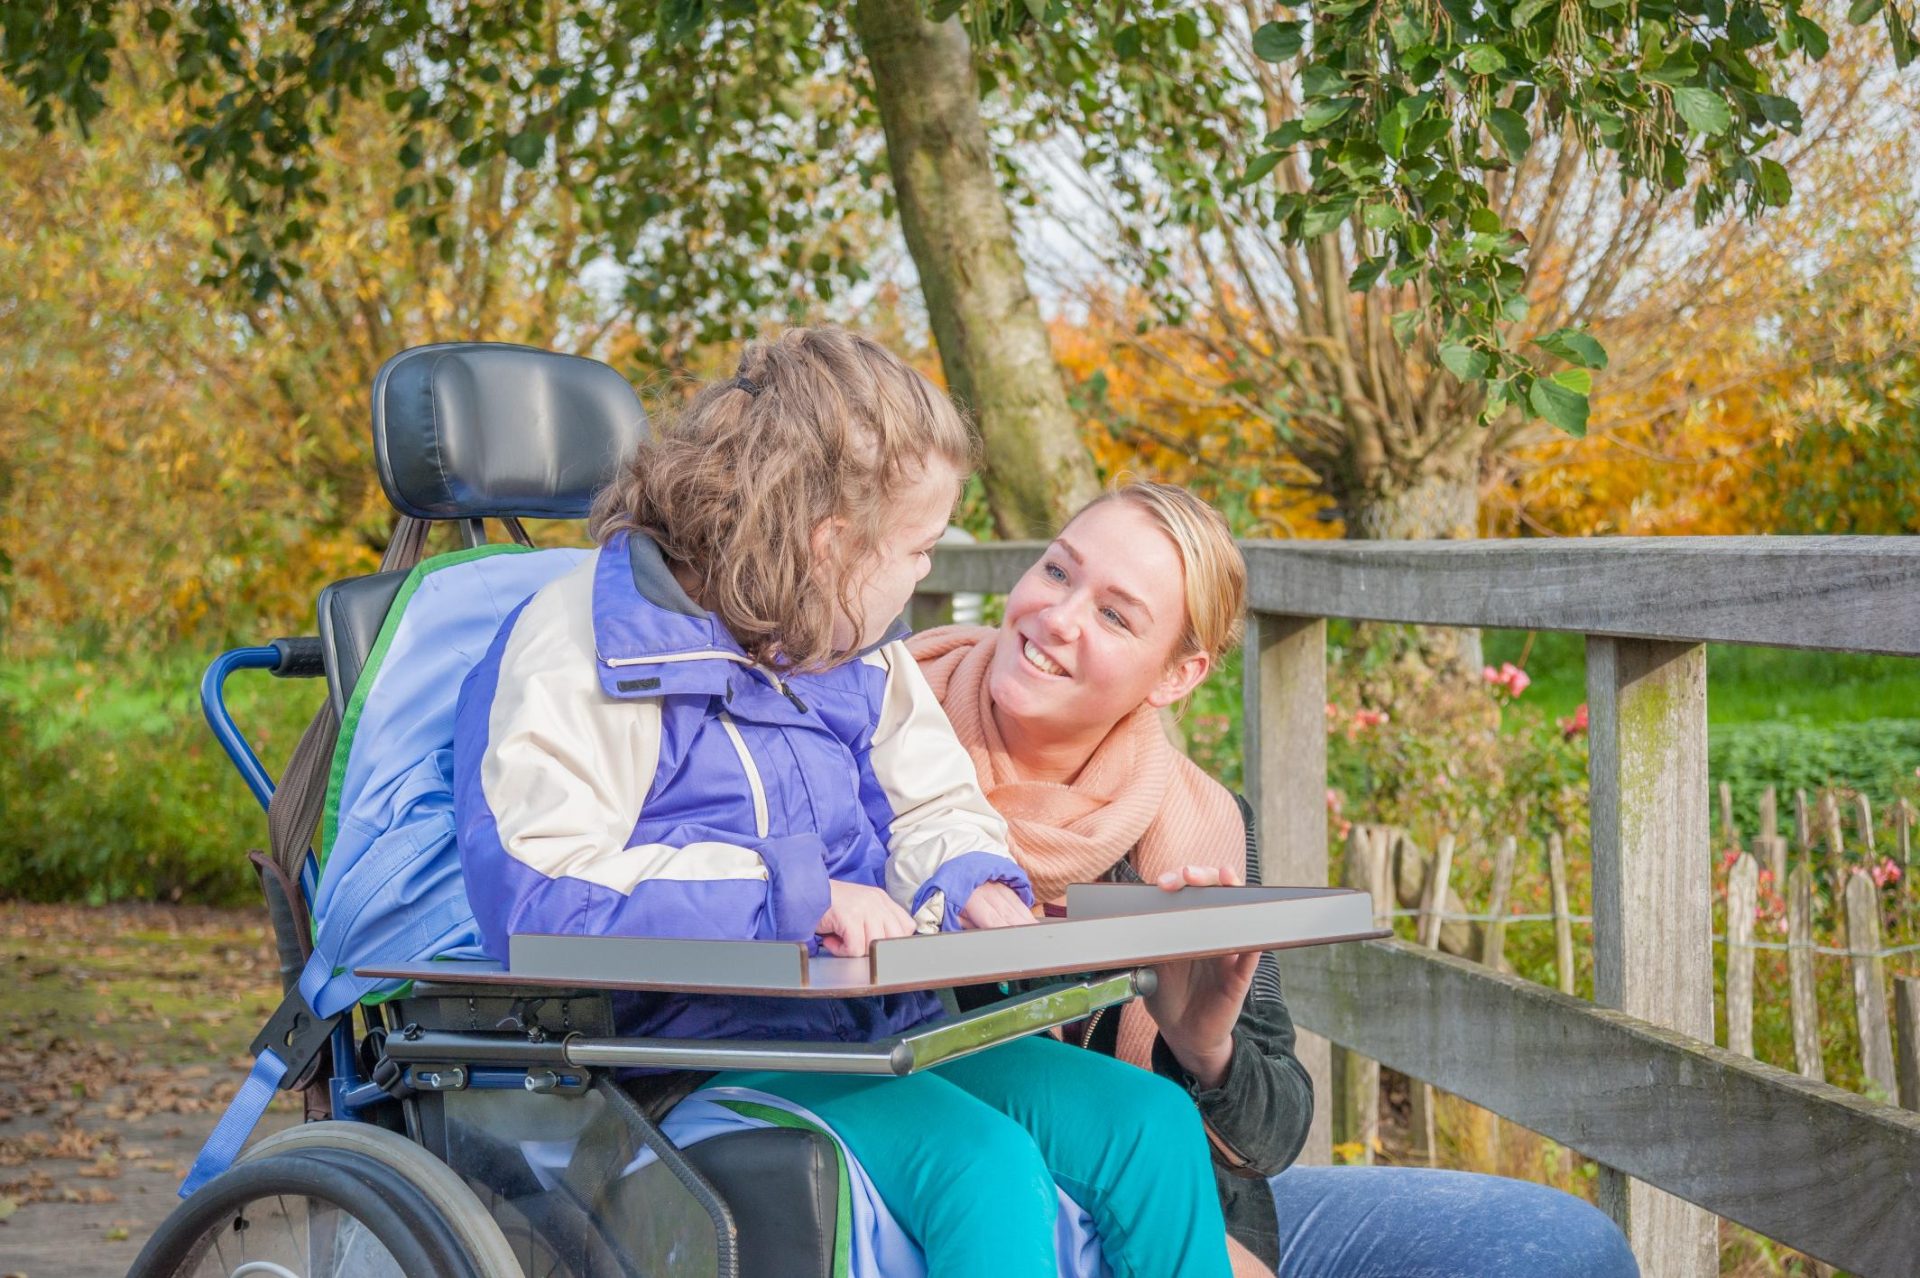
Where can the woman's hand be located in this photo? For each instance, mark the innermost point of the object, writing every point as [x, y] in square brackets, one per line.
[1198, 1001]
[994, 904]
[858, 916]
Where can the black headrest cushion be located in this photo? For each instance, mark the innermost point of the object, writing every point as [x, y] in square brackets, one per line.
[487, 429]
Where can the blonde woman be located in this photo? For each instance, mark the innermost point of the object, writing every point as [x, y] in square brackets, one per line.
[1124, 614]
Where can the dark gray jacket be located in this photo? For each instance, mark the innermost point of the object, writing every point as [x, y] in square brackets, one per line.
[1257, 1118]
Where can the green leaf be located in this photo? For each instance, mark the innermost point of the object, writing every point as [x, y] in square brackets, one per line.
[1511, 128]
[1484, 59]
[1278, 41]
[1381, 217]
[1324, 218]
[1704, 110]
[1577, 380]
[1776, 188]
[1559, 406]
[1392, 133]
[1862, 11]
[1813, 36]
[1514, 309]
[1366, 274]
[1286, 136]
[1321, 81]
[1527, 10]
[1464, 362]
[1574, 346]
[1404, 326]
[527, 148]
[1186, 31]
[1261, 166]
[1320, 114]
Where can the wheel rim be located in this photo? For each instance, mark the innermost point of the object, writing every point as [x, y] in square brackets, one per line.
[291, 1236]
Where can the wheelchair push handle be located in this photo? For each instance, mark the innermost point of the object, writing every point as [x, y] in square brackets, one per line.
[298, 658]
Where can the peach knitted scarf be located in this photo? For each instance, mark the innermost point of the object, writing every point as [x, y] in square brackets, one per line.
[1136, 795]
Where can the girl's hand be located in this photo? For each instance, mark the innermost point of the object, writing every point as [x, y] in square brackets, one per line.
[1198, 1001]
[994, 904]
[858, 916]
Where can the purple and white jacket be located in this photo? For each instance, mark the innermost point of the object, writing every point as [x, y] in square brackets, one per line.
[621, 767]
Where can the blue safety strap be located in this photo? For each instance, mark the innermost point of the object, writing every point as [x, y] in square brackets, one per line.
[242, 1116]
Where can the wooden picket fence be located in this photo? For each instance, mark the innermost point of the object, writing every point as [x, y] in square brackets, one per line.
[1385, 862]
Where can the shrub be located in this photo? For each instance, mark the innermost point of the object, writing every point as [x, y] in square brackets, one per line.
[114, 789]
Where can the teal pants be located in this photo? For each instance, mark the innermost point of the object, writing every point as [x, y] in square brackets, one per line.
[966, 1157]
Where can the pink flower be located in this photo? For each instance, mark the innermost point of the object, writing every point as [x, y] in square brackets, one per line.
[1727, 860]
[1884, 873]
[1509, 677]
[1364, 719]
[1571, 728]
[1334, 800]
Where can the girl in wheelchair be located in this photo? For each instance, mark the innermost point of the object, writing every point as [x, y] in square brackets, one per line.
[710, 730]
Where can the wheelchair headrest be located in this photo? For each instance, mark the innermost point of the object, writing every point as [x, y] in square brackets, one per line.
[468, 430]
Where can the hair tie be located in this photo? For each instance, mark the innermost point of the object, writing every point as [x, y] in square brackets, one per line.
[748, 385]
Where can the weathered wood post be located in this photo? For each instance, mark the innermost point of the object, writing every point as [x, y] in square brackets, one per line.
[1869, 983]
[1906, 1015]
[1802, 993]
[1562, 912]
[1356, 1078]
[1284, 745]
[1423, 1130]
[1493, 945]
[1743, 893]
[1652, 892]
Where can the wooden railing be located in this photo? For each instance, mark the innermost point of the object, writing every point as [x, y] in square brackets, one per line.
[1632, 1080]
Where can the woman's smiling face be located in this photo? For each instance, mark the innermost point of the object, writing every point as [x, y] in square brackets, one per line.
[1092, 629]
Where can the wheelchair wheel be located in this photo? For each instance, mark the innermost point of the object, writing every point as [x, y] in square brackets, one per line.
[473, 1226]
[314, 1214]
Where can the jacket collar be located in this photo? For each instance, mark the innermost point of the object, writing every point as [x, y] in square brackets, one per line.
[652, 638]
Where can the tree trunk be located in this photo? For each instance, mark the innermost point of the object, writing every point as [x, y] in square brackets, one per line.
[993, 345]
[1440, 502]
[1437, 498]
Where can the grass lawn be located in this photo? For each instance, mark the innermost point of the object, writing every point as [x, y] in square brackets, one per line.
[1744, 685]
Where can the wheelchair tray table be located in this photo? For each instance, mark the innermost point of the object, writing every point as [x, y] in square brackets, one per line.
[1108, 926]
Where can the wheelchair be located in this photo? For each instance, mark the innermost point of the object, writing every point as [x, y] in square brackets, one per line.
[477, 1122]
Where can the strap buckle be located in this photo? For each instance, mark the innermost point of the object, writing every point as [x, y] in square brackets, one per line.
[296, 1034]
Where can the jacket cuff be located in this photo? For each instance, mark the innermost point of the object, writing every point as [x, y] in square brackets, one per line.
[1222, 1099]
[957, 879]
[797, 894]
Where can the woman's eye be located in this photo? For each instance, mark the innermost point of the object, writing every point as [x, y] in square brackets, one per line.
[1054, 572]
[1114, 618]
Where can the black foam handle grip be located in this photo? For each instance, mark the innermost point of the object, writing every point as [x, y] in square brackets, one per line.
[300, 658]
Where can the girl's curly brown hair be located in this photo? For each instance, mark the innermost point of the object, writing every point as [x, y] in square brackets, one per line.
[817, 424]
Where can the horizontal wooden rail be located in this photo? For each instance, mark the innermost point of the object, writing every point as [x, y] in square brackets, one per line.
[1817, 1168]
[1853, 594]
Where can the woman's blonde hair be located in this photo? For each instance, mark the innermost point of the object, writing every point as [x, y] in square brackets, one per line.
[818, 424]
[1216, 571]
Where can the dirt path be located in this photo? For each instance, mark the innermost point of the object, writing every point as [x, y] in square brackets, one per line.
[125, 1031]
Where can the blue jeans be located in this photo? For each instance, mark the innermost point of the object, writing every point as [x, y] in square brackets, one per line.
[1416, 1222]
